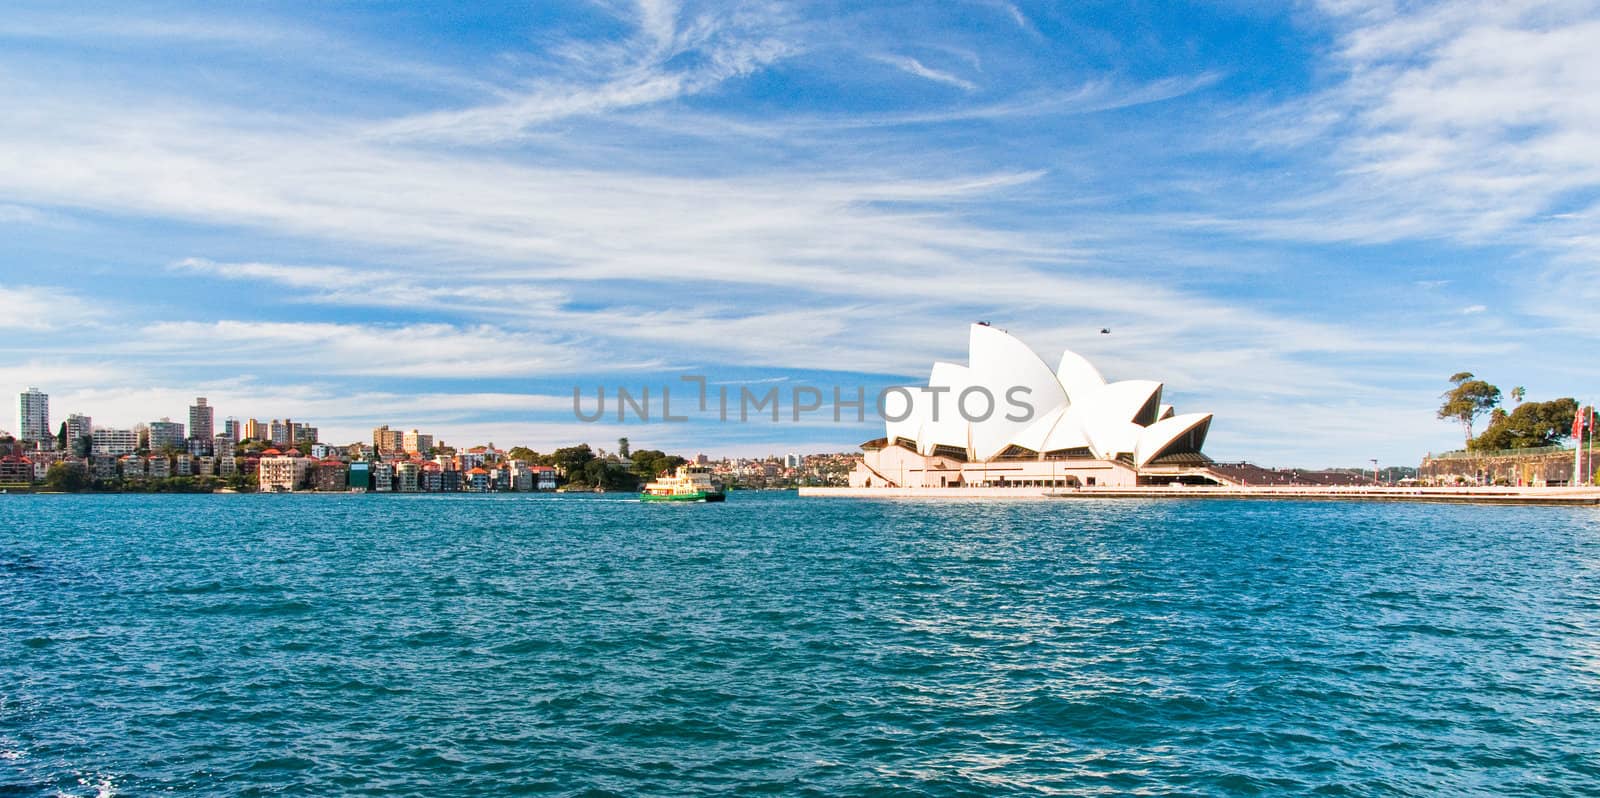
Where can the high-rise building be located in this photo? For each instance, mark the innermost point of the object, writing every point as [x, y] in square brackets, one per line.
[201, 417]
[278, 433]
[78, 427]
[417, 443]
[232, 428]
[166, 432]
[256, 431]
[33, 416]
[114, 442]
[302, 433]
[222, 445]
[388, 441]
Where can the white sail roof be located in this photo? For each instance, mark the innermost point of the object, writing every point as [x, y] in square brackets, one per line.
[1072, 407]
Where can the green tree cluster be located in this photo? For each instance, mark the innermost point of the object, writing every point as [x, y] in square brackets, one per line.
[525, 455]
[1530, 425]
[66, 477]
[647, 463]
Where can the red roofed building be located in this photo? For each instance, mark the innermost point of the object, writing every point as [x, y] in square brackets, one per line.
[16, 468]
[331, 476]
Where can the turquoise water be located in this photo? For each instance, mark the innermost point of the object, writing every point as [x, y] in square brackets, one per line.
[442, 646]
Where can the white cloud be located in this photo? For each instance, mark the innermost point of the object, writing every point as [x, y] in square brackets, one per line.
[638, 72]
[39, 308]
[912, 66]
[439, 351]
[386, 288]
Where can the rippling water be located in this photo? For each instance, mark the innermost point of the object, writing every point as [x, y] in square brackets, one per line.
[329, 645]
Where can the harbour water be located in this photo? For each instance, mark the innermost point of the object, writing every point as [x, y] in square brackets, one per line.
[592, 645]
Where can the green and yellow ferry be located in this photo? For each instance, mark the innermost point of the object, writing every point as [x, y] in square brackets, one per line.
[692, 483]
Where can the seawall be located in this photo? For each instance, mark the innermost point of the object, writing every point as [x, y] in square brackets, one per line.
[1479, 495]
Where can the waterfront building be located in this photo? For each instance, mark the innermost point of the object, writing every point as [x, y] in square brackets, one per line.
[33, 418]
[360, 476]
[201, 417]
[430, 478]
[103, 466]
[167, 433]
[16, 469]
[281, 473]
[157, 466]
[116, 442]
[205, 466]
[382, 477]
[476, 480]
[331, 476]
[544, 478]
[79, 426]
[183, 465]
[227, 465]
[407, 477]
[519, 476]
[415, 442]
[132, 466]
[1007, 419]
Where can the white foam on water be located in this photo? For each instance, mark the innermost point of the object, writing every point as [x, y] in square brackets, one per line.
[102, 786]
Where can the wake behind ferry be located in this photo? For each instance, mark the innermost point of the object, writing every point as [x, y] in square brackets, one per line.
[691, 483]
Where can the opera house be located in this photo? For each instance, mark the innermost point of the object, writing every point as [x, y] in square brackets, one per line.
[1006, 419]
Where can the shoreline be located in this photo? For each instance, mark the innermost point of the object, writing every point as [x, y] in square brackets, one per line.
[1553, 497]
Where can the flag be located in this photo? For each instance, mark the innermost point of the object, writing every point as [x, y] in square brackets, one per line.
[1577, 423]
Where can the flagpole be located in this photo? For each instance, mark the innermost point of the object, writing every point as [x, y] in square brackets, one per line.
[1577, 447]
[1591, 443]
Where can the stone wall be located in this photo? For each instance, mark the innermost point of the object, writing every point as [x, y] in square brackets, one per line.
[1501, 468]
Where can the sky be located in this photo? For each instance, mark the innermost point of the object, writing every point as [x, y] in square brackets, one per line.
[1301, 217]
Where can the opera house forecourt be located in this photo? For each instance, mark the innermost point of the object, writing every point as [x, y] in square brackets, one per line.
[1007, 420]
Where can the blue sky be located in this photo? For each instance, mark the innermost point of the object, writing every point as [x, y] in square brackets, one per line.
[1302, 219]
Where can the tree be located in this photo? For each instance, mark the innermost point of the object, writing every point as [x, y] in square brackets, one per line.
[61, 437]
[1469, 399]
[622, 448]
[571, 460]
[66, 477]
[1530, 425]
[1518, 394]
[608, 476]
[523, 454]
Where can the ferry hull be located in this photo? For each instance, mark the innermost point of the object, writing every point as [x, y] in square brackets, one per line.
[699, 496]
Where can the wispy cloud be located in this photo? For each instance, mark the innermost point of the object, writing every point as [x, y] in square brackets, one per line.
[402, 350]
[642, 71]
[912, 66]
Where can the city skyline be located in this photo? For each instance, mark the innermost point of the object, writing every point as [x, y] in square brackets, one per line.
[1305, 219]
